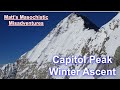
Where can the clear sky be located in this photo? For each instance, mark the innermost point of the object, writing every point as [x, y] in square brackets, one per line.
[15, 41]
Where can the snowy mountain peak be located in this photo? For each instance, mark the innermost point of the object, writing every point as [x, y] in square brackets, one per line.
[75, 35]
[75, 17]
[70, 27]
[87, 22]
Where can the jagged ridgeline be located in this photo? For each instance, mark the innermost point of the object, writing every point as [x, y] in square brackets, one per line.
[75, 35]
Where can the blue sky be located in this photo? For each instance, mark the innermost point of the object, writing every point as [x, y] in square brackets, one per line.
[15, 41]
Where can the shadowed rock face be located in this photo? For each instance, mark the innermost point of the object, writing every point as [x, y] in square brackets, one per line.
[88, 23]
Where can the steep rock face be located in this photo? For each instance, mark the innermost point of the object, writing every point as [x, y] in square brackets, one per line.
[73, 36]
[8, 71]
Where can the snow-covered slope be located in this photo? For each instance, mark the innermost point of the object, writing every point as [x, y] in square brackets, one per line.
[75, 35]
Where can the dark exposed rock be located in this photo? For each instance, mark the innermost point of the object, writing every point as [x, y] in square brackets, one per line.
[117, 56]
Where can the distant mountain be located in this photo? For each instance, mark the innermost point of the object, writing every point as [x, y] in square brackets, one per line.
[75, 35]
[1, 65]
